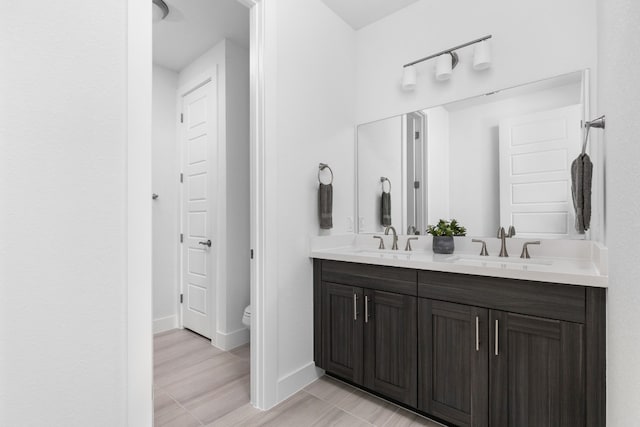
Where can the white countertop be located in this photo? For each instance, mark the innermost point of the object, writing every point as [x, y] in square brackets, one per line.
[583, 262]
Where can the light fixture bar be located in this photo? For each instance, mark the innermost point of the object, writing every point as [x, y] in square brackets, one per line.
[481, 39]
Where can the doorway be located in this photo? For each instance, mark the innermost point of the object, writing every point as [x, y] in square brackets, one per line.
[201, 205]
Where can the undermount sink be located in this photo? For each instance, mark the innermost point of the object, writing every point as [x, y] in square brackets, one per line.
[485, 260]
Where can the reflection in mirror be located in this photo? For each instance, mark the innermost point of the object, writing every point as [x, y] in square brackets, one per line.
[495, 160]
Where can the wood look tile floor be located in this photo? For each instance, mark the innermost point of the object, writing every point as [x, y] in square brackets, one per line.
[196, 384]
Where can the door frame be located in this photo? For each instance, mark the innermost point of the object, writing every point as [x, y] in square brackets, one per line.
[217, 168]
[138, 216]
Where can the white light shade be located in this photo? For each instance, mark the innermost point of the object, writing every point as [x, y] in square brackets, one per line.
[409, 77]
[444, 67]
[482, 56]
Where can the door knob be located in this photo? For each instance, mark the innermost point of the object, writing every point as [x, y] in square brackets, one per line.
[207, 243]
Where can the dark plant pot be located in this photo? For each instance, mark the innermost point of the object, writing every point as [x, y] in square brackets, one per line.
[443, 244]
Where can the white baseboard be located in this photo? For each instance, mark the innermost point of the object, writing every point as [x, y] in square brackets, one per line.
[231, 340]
[165, 324]
[297, 380]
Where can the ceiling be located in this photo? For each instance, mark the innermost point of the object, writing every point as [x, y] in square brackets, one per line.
[194, 26]
[359, 13]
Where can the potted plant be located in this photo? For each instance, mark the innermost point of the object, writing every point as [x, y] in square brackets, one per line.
[443, 233]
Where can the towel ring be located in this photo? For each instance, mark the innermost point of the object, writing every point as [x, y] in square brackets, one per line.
[382, 180]
[321, 167]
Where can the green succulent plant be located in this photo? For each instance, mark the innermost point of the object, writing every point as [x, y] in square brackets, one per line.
[447, 228]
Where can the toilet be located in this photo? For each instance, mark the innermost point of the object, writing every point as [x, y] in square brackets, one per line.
[246, 317]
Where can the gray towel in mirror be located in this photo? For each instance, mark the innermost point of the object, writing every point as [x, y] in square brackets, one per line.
[325, 206]
[581, 179]
[385, 210]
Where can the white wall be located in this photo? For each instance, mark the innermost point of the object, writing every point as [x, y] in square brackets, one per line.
[438, 182]
[380, 154]
[310, 115]
[618, 48]
[166, 169]
[530, 41]
[63, 235]
[237, 224]
[231, 64]
[474, 153]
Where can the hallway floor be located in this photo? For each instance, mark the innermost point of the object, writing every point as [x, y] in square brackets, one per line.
[196, 384]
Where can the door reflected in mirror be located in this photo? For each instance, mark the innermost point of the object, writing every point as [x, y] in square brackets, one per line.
[494, 160]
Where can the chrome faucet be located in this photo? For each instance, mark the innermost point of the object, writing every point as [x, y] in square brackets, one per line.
[395, 237]
[503, 248]
[483, 251]
[502, 235]
[381, 245]
[408, 245]
[525, 250]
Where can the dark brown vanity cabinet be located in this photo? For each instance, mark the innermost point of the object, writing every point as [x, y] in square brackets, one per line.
[369, 336]
[467, 350]
[537, 371]
[342, 331]
[453, 362]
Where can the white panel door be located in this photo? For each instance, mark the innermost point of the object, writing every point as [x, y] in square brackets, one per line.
[536, 152]
[199, 147]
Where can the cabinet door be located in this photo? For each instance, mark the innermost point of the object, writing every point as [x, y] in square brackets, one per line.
[537, 371]
[342, 331]
[453, 362]
[390, 345]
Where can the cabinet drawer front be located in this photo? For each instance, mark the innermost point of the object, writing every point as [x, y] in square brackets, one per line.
[553, 301]
[377, 277]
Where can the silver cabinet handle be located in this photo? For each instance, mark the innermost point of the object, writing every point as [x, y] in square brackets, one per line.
[477, 333]
[355, 306]
[366, 309]
[496, 343]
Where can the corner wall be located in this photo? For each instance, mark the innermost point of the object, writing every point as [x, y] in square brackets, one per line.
[165, 172]
[63, 214]
[619, 68]
[310, 115]
[237, 224]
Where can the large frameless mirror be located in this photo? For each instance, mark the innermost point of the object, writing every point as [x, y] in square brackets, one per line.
[494, 160]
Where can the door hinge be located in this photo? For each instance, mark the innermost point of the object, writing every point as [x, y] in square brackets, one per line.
[417, 135]
[181, 178]
[181, 298]
[181, 118]
[416, 184]
[181, 238]
[251, 253]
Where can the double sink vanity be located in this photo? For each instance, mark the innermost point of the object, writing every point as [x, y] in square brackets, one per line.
[472, 338]
[464, 339]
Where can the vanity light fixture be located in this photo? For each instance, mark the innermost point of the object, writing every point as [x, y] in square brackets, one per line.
[160, 10]
[445, 65]
[447, 61]
[482, 56]
[409, 77]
